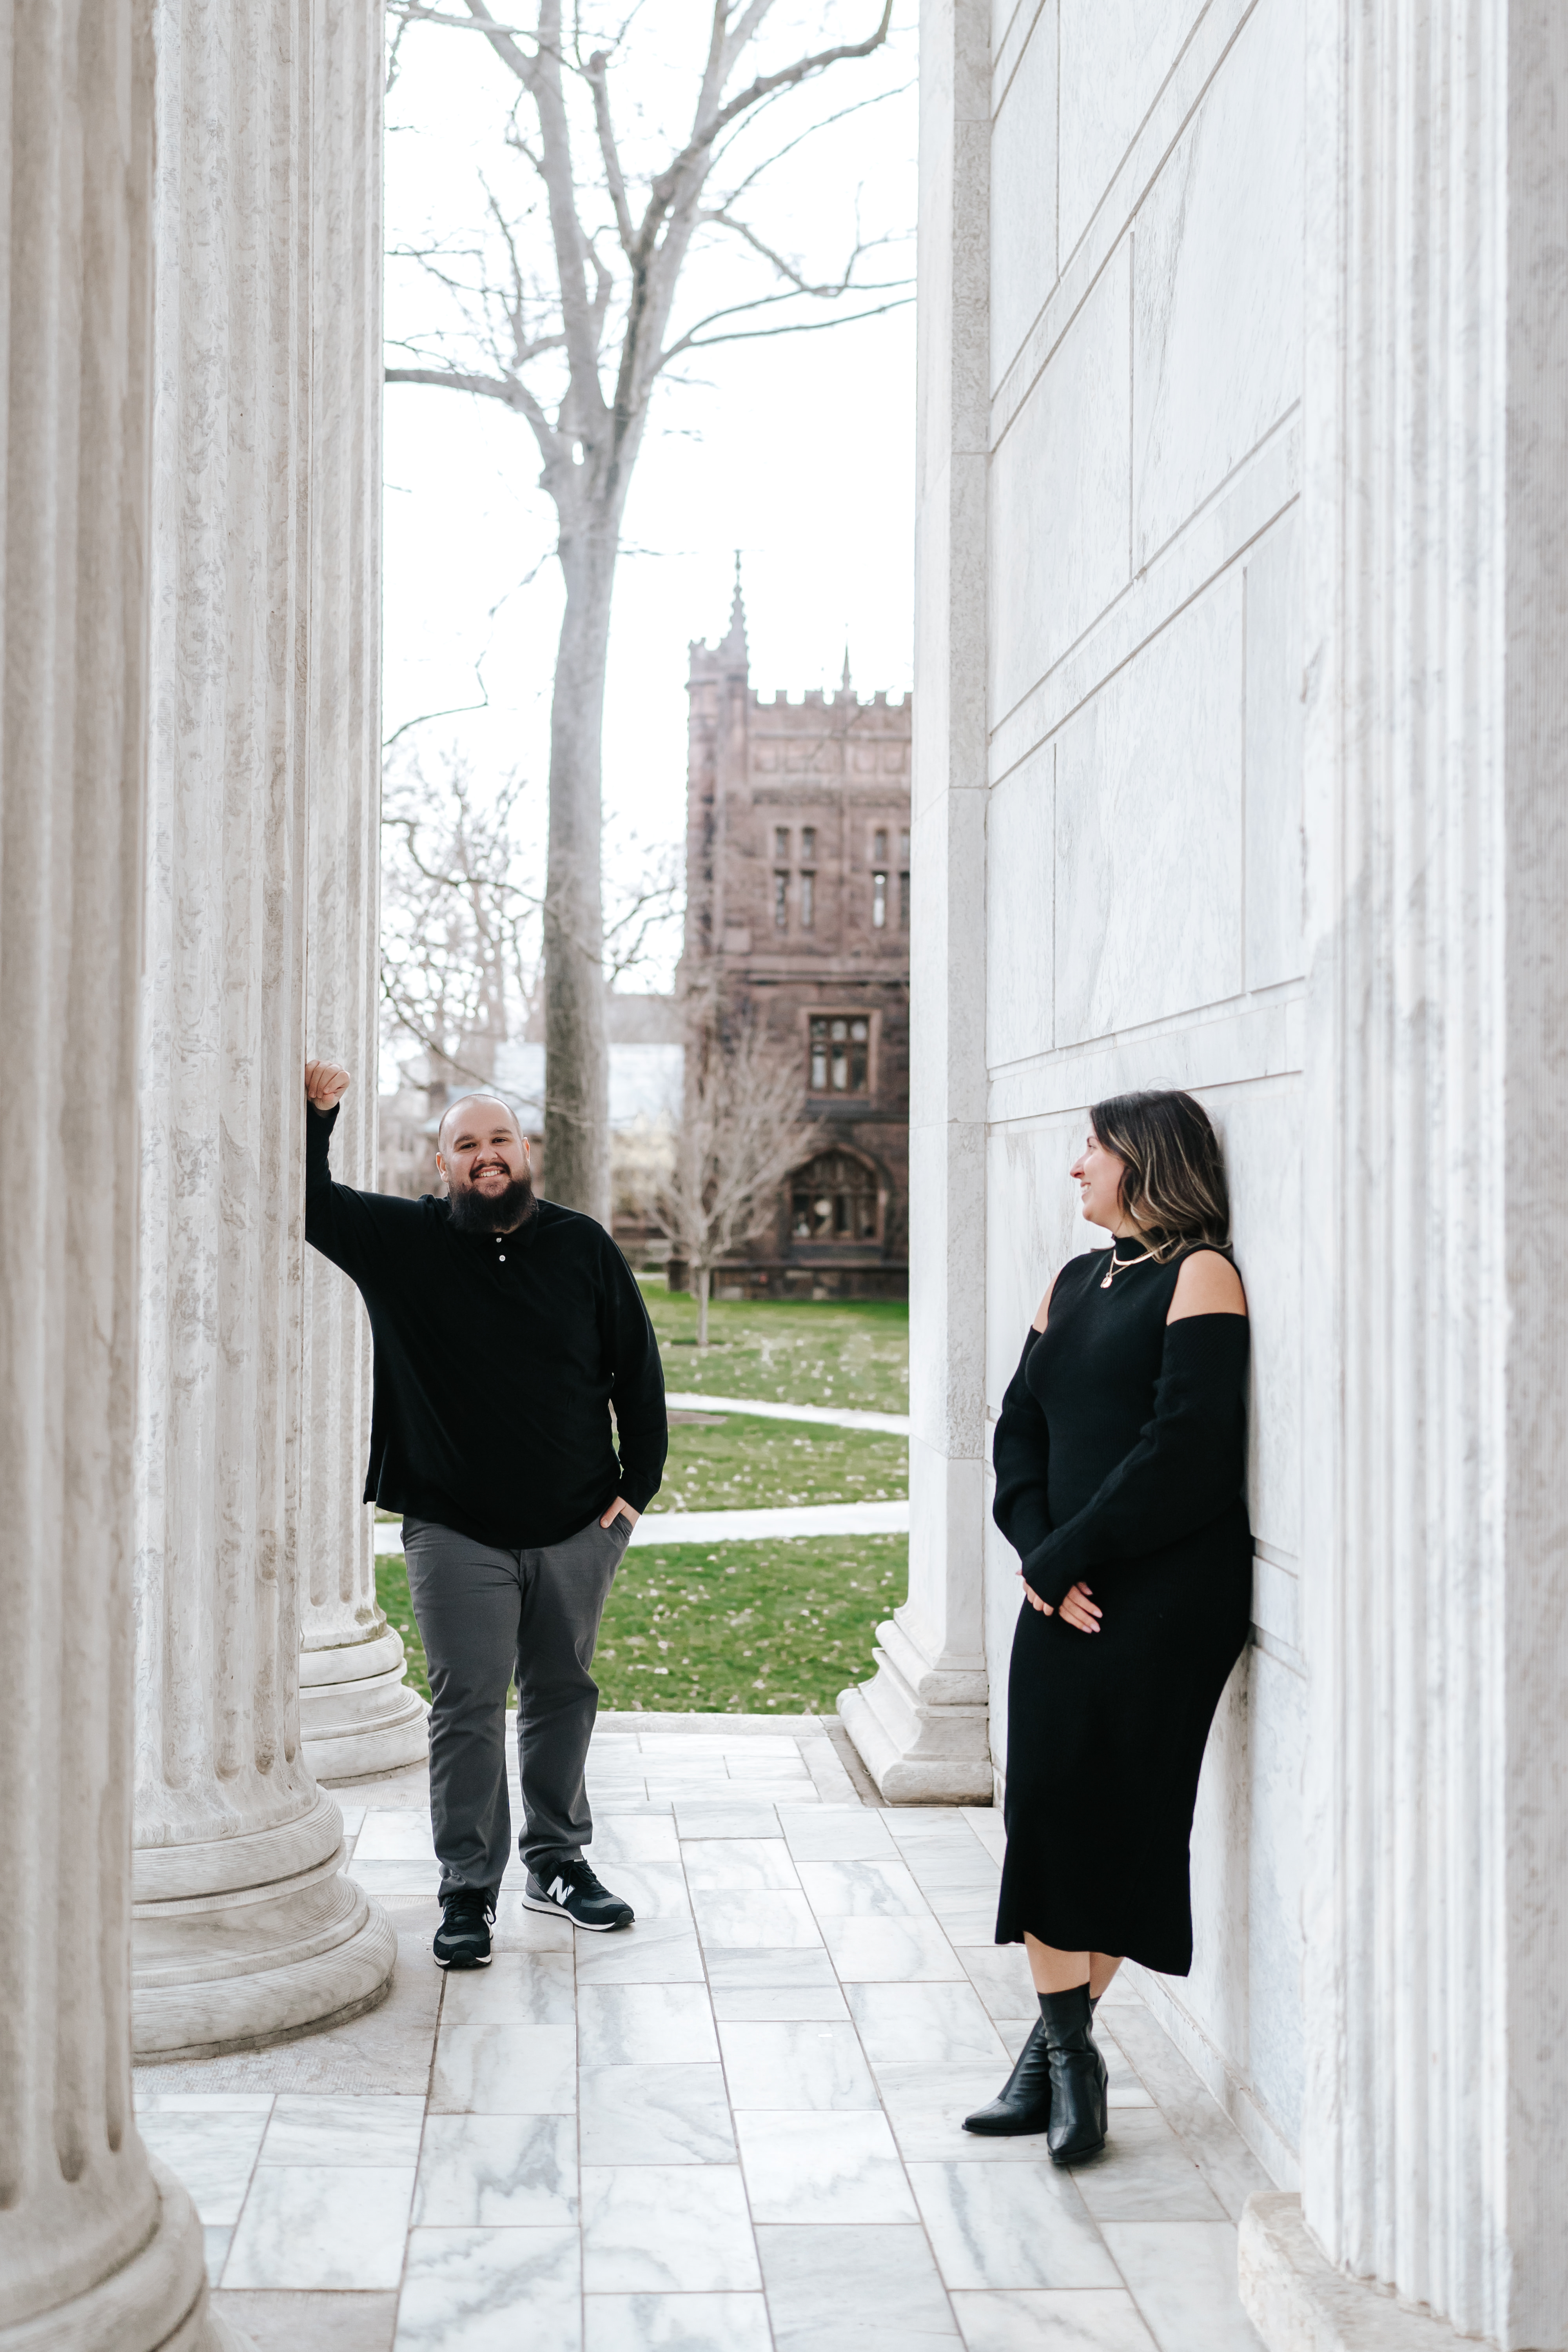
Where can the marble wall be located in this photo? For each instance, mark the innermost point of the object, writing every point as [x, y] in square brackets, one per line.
[1144, 820]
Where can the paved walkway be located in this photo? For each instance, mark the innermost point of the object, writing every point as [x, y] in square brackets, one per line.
[896, 1425]
[886, 1518]
[734, 2127]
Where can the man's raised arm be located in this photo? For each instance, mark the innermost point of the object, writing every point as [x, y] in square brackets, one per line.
[348, 1227]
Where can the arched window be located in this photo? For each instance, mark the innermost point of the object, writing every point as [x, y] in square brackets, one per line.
[834, 1198]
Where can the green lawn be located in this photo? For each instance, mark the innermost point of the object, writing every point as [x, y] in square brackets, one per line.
[741, 1628]
[731, 1462]
[787, 1351]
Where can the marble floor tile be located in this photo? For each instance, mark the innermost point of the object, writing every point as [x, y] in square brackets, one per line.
[963, 1923]
[1145, 2175]
[517, 1989]
[656, 1951]
[1127, 2090]
[313, 2130]
[321, 2225]
[763, 1918]
[1009, 2226]
[656, 1890]
[732, 1865]
[803, 1791]
[796, 2065]
[675, 2323]
[634, 1837]
[1204, 2130]
[214, 2154]
[891, 1951]
[702, 1745]
[839, 1890]
[151, 2102]
[779, 2005]
[1000, 1975]
[654, 2115]
[294, 2320]
[667, 2229]
[795, 1968]
[520, 1930]
[216, 2243]
[781, 1769]
[816, 2168]
[726, 1817]
[849, 2289]
[1076, 2319]
[931, 2024]
[504, 2069]
[401, 1836]
[491, 2291]
[494, 2172]
[953, 1869]
[645, 2025]
[926, 2106]
[835, 1833]
[1182, 2277]
[988, 1825]
[396, 1877]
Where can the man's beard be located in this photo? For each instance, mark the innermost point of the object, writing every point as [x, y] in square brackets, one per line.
[474, 1212]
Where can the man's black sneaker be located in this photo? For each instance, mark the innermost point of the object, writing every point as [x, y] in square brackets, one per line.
[568, 1885]
[463, 1938]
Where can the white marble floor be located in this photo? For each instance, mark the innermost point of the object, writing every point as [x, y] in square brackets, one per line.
[734, 2126]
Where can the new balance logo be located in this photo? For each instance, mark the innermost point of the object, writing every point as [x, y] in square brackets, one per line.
[558, 1890]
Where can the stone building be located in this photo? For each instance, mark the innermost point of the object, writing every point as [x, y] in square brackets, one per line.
[797, 866]
[1242, 557]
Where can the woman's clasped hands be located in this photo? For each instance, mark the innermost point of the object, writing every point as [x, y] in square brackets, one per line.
[1077, 1608]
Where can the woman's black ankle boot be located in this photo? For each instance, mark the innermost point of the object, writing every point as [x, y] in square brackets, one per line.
[1023, 2102]
[1078, 2124]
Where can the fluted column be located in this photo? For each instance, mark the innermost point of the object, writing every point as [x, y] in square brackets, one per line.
[98, 2246]
[357, 1713]
[920, 1724]
[246, 1927]
[1434, 2142]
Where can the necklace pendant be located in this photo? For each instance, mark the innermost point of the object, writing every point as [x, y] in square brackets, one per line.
[1110, 1272]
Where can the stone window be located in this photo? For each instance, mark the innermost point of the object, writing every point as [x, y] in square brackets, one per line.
[781, 902]
[840, 1056]
[807, 901]
[808, 842]
[904, 901]
[834, 1199]
[879, 900]
[781, 844]
[879, 847]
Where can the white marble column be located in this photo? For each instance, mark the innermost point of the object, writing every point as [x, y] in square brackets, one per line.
[357, 1713]
[921, 1724]
[246, 1928]
[1434, 2143]
[98, 2246]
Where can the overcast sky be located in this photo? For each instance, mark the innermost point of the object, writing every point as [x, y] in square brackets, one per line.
[797, 450]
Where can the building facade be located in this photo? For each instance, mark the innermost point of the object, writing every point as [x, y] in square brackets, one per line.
[798, 865]
[1242, 754]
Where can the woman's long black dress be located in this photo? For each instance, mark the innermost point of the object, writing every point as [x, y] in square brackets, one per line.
[1120, 1460]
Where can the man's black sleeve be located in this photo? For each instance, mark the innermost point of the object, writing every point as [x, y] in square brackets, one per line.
[350, 1228]
[638, 1383]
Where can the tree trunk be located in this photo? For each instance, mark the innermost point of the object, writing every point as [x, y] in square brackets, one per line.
[701, 1275]
[576, 1039]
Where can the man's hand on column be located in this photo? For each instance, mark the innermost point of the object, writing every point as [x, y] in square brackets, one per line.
[325, 1085]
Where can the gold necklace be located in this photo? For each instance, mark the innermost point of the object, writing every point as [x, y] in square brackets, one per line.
[1120, 1265]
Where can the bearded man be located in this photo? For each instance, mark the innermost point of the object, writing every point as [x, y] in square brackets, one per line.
[506, 1329]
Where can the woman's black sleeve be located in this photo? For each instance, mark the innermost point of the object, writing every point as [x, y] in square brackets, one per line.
[1186, 1468]
[1021, 1454]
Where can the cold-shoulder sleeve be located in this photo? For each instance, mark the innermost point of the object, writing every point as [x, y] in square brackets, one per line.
[1186, 1468]
[1021, 1456]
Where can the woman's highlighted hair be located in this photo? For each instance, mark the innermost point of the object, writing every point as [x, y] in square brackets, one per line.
[1173, 1186]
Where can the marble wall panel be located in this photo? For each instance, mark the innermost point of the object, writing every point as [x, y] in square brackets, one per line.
[1115, 55]
[1060, 495]
[1276, 2053]
[1274, 709]
[1259, 1128]
[1032, 1225]
[1217, 283]
[1020, 909]
[1149, 831]
[1023, 179]
[1216, 1993]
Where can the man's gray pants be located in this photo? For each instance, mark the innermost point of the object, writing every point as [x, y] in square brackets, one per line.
[483, 1616]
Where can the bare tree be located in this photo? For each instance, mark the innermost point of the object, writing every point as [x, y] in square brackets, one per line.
[744, 1127]
[574, 344]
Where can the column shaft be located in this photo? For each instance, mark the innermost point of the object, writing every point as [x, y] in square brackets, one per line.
[98, 2247]
[246, 1928]
[920, 1724]
[357, 1713]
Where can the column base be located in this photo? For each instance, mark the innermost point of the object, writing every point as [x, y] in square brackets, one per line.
[157, 2301]
[922, 1731]
[1298, 2302]
[277, 1943]
[358, 1717]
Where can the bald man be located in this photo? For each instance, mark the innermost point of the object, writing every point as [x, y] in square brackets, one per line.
[506, 1331]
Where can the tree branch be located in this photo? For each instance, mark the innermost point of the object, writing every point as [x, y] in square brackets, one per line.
[595, 75]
